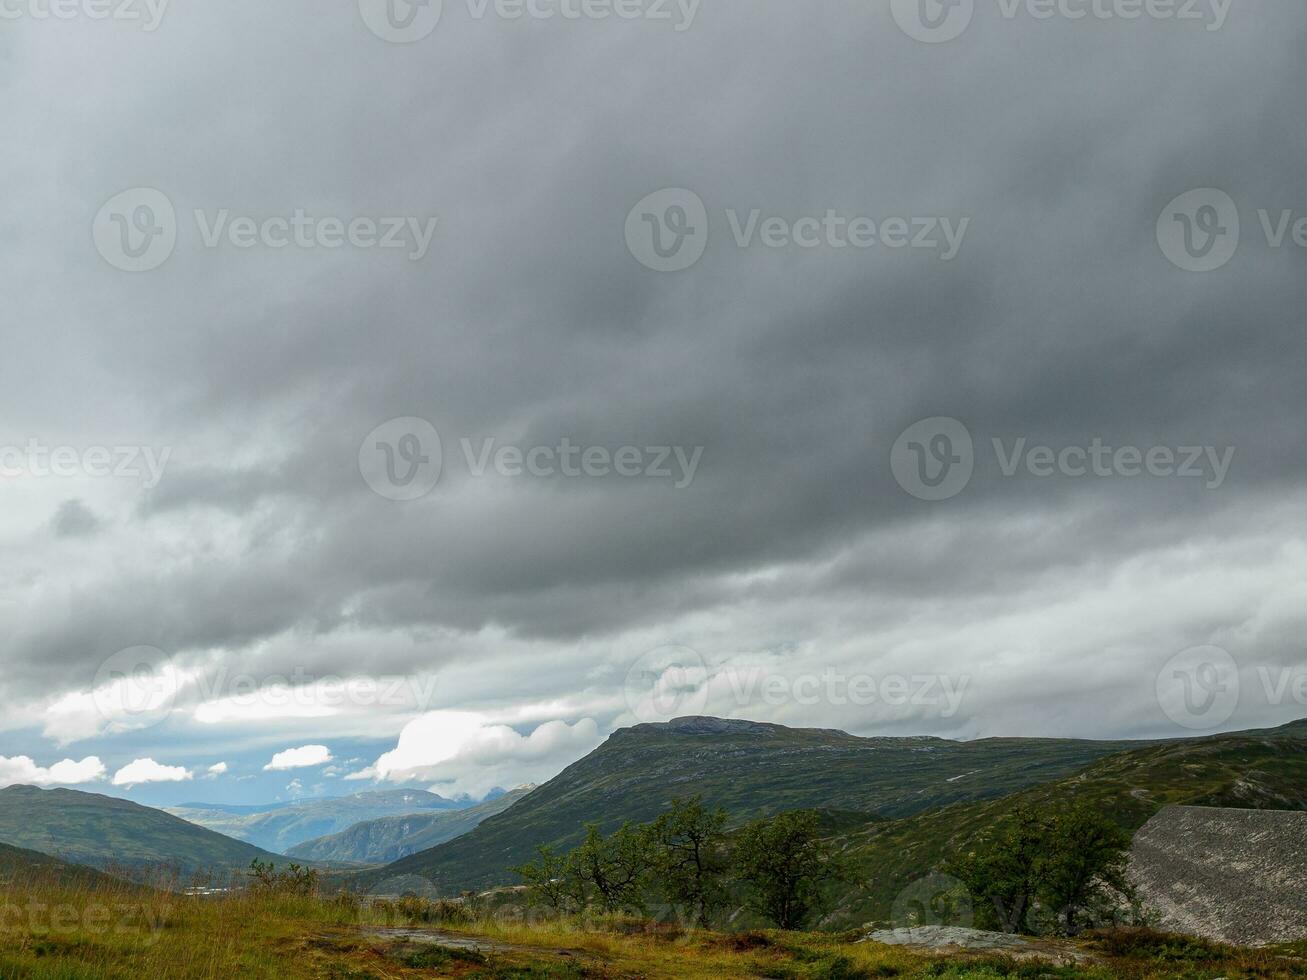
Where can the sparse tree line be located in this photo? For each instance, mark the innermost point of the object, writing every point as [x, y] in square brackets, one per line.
[1050, 873]
[1055, 873]
[685, 860]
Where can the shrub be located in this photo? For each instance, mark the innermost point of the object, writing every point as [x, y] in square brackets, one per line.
[294, 880]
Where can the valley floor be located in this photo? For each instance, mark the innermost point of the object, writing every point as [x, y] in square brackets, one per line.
[57, 932]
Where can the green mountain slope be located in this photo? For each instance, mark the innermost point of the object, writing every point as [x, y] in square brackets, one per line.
[1250, 770]
[20, 867]
[284, 827]
[86, 828]
[391, 838]
[750, 769]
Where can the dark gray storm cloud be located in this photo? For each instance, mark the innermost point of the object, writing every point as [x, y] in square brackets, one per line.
[529, 322]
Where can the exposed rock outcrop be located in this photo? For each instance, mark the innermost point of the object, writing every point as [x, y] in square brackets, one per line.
[1239, 876]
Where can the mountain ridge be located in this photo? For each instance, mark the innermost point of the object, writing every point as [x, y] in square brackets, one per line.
[280, 829]
[388, 839]
[97, 830]
[750, 768]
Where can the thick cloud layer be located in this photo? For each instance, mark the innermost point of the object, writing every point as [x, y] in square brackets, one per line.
[754, 399]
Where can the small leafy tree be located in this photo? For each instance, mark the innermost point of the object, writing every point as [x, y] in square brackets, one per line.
[689, 857]
[1048, 873]
[615, 867]
[784, 861]
[548, 881]
[1082, 867]
[1003, 879]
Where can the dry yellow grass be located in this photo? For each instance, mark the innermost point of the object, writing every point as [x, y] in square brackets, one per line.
[51, 930]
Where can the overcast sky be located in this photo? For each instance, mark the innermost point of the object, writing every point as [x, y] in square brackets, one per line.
[258, 257]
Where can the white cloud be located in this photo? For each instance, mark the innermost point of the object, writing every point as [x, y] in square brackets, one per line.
[22, 770]
[218, 769]
[149, 771]
[465, 752]
[301, 758]
[128, 701]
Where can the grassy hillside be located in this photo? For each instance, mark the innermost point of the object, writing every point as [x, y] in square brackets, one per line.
[750, 769]
[1250, 770]
[391, 838]
[18, 865]
[86, 828]
[280, 828]
[68, 933]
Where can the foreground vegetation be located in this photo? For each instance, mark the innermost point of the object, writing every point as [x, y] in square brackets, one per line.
[51, 929]
[1045, 874]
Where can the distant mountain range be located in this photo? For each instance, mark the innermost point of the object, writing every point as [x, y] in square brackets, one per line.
[280, 827]
[391, 838]
[86, 828]
[750, 769]
[899, 807]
